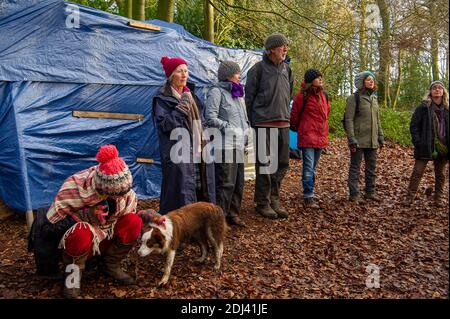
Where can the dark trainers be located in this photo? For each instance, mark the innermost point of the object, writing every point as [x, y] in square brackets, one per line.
[266, 211]
[372, 196]
[355, 199]
[439, 201]
[235, 220]
[311, 203]
[409, 199]
[280, 210]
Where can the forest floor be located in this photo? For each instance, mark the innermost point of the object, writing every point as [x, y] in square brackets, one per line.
[326, 253]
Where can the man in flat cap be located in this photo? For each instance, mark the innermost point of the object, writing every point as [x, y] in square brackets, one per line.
[268, 94]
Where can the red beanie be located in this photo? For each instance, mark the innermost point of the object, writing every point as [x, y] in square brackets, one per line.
[169, 65]
[112, 176]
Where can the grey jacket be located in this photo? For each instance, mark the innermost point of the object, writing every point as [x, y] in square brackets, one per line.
[364, 128]
[268, 92]
[227, 114]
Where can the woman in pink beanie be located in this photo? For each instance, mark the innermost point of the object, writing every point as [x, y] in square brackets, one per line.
[94, 213]
[186, 178]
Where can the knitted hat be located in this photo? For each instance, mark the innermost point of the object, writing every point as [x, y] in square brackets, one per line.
[170, 64]
[275, 40]
[311, 75]
[360, 77]
[112, 175]
[227, 69]
[436, 83]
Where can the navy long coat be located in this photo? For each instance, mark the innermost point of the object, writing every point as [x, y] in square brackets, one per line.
[178, 183]
[422, 131]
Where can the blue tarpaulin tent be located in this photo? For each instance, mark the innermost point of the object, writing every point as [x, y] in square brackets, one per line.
[57, 58]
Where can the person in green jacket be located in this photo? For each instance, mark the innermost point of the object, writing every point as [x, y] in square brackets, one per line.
[364, 133]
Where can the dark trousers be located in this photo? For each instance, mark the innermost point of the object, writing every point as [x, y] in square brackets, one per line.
[267, 185]
[418, 171]
[370, 159]
[229, 187]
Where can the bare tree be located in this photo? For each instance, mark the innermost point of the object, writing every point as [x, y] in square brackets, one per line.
[384, 51]
[166, 10]
[209, 21]
[434, 38]
[362, 36]
[138, 10]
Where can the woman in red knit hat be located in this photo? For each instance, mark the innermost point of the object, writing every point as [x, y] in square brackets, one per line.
[176, 109]
[94, 213]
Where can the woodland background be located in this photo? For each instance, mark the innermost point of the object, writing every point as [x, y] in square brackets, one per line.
[406, 43]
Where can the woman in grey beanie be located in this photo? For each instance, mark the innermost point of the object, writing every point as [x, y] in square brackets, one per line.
[364, 133]
[225, 111]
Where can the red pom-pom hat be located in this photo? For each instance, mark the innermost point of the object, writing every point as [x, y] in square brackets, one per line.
[113, 176]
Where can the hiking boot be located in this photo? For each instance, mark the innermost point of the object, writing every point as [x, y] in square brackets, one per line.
[409, 199]
[266, 211]
[355, 199]
[311, 203]
[372, 196]
[111, 262]
[72, 277]
[235, 220]
[280, 210]
[439, 201]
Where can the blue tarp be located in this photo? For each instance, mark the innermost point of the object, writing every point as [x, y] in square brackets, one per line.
[57, 57]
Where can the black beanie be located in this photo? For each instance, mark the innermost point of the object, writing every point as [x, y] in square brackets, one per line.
[311, 75]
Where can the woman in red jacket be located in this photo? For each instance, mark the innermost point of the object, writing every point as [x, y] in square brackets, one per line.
[309, 117]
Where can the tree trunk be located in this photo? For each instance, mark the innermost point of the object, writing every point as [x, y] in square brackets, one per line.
[434, 41]
[351, 70]
[166, 10]
[123, 6]
[209, 21]
[362, 37]
[384, 52]
[138, 10]
[447, 62]
[129, 8]
[399, 77]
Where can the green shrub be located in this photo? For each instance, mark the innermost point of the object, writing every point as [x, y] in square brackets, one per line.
[395, 123]
[335, 118]
[396, 126]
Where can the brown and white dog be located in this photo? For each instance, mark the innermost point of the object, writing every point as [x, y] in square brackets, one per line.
[203, 222]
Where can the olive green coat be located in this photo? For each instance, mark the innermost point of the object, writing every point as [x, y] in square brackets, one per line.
[363, 129]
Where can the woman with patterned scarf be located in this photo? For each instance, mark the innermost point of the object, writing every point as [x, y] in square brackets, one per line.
[177, 110]
[429, 133]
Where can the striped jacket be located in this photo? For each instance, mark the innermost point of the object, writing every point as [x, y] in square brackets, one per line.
[78, 193]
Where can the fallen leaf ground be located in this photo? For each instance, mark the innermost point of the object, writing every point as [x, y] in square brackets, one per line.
[313, 254]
